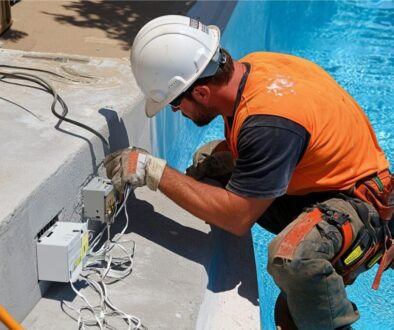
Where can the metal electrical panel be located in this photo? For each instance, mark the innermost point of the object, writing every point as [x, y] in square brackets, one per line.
[61, 251]
[99, 199]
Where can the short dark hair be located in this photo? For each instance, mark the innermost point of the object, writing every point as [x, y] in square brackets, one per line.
[222, 76]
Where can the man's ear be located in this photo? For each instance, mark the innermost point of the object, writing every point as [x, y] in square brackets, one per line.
[201, 93]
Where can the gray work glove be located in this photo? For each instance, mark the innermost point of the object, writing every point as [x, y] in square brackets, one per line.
[134, 166]
[210, 164]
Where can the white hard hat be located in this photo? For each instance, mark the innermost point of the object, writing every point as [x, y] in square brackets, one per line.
[169, 54]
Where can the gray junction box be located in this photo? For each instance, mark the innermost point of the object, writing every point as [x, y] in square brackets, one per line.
[99, 199]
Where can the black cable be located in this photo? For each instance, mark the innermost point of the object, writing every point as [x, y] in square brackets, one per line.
[32, 69]
[56, 98]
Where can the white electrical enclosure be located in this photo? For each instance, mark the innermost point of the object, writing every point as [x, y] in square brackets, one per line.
[61, 251]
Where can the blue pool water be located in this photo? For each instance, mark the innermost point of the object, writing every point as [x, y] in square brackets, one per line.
[354, 41]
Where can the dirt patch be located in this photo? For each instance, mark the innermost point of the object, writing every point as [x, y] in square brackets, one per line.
[93, 28]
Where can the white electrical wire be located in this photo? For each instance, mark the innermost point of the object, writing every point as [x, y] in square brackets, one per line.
[99, 319]
[102, 256]
[101, 263]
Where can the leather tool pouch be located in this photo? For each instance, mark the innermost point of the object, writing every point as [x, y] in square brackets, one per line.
[379, 191]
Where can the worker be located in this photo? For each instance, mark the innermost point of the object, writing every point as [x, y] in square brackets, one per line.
[300, 158]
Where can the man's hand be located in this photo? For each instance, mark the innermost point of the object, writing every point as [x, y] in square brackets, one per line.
[213, 160]
[134, 166]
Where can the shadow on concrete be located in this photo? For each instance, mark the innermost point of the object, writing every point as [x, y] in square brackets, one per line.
[63, 291]
[121, 20]
[13, 35]
[232, 264]
[185, 241]
[118, 137]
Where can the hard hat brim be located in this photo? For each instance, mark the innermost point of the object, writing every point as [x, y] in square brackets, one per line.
[152, 107]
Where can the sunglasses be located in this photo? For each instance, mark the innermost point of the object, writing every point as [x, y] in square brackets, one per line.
[177, 101]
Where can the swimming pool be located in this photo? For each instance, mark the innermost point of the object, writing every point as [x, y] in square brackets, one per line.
[354, 41]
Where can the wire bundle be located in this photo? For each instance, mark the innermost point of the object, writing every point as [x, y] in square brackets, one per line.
[100, 263]
[105, 266]
[48, 88]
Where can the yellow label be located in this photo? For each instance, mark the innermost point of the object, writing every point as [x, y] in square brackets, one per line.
[77, 262]
[85, 244]
[354, 255]
[84, 249]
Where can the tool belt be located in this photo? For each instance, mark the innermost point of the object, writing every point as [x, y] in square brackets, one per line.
[374, 242]
[361, 253]
[378, 190]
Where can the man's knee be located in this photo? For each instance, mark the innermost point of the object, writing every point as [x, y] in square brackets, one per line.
[311, 259]
[299, 273]
[322, 241]
[306, 275]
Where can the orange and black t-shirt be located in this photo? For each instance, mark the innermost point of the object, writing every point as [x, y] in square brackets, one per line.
[339, 146]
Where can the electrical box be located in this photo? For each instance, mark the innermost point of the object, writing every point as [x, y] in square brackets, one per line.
[61, 251]
[99, 199]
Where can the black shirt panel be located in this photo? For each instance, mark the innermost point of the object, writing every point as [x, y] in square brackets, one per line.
[269, 148]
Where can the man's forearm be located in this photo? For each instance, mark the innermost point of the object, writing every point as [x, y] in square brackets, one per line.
[215, 205]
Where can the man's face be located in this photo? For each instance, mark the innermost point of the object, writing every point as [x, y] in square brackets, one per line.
[199, 113]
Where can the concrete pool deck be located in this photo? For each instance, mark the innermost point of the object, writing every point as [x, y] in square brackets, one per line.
[177, 281]
[186, 275]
